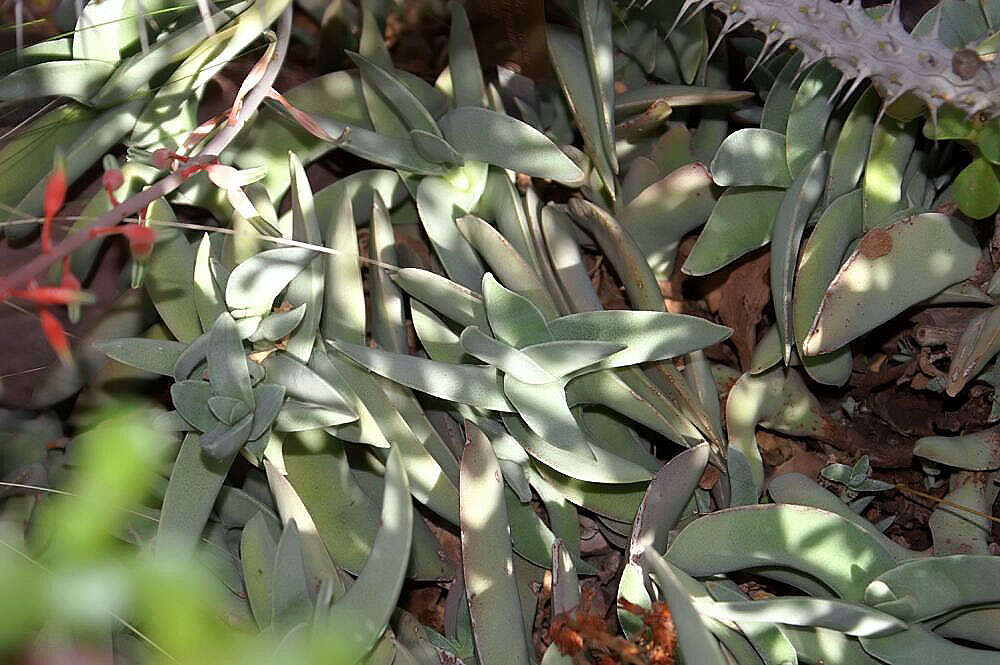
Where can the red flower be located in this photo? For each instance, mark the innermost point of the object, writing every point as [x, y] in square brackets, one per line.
[140, 241]
[55, 195]
[55, 335]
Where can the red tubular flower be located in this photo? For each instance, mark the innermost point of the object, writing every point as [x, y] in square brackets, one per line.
[55, 195]
[55, 335]
[140, 241]
[140, 238]
[49, 295]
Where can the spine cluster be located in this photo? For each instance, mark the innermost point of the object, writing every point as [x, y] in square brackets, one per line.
[862, 47]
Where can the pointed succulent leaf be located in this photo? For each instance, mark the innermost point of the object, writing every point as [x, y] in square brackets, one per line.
[290, 601]
[223, 441]
[465, 384]
[303, 384]
[796, 207]
[255, 283]
[648, 336]
[805, 539]
[190, 398]
[190, 495]
[296, 416]
[444, 296]
[487, 558]
[227, 409]
[227, 361]
[403, 102]
[487, 136]
[751, 157]
[468, 88]
[699, 644]
[257, 555]
[891, 269]
[152, 355]
[279, 325]
[505, 358]
[563, 358]
[513, 318]
[849, 618]
[434, 148]
[355, 622]
[740, 222]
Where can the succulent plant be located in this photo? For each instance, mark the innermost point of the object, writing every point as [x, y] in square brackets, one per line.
[520, 402]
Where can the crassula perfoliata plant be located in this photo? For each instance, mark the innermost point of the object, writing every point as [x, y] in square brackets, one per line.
[341, 404]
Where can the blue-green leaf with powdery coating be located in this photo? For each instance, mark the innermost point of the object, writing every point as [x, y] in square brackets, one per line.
[487, 136]
[355, 622]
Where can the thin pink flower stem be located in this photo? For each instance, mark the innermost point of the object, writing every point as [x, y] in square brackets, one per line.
[138, 202]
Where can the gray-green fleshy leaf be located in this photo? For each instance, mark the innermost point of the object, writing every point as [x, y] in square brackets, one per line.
[925, 588]
[190, 495]
[695, 641]
[741, 222]
[303, 384]
[648, 336]
[168, 276]
[821, 256]
[800, 199]
[152, 355]
[751, 157]
[505, 358]
[488, 559]
[513, 318]
[257, 555]
[487, 136]
[190, 398]
[832, 549]
[849, 618]
[290, 602]
[223, 441]
[663, 213]
[465, 384]
[227, 361]
[356, 621]
[892, 268]
[254, 284]
[343, 294]
[454, 301]
[808, 116]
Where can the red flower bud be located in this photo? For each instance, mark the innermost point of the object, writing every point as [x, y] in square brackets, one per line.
[55, 335]
[112, 180]
[140, 241]
[55, 195]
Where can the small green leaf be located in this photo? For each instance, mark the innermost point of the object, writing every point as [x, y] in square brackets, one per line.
[227, 361]
[977, 190]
